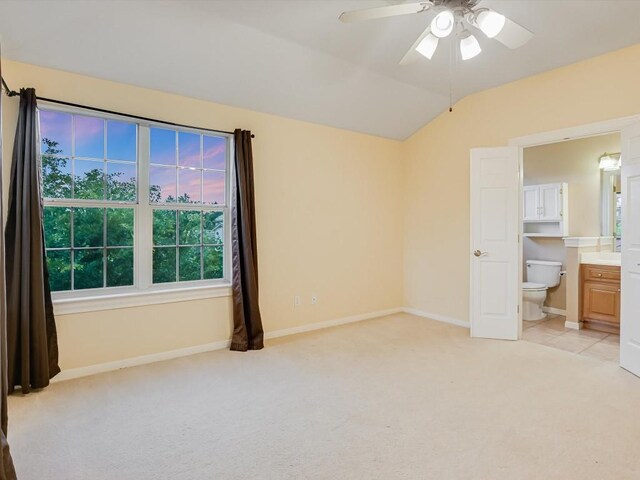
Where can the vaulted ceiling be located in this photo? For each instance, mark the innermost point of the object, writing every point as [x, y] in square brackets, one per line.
[294, 58]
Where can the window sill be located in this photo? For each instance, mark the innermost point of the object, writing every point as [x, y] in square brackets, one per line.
[65, 306]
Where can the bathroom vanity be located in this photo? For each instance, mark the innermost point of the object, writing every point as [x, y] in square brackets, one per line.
[600, 292]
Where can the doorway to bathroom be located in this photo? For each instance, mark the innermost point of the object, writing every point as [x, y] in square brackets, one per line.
[497, 260]
[571, 226]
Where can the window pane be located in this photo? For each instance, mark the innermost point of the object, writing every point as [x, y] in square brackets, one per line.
[88, 230]
[57, 227]
[162, 184]
[56, 177]
[121, 182]
[163, 146]
[164, 227]
[88, 268]
[59, 266]
[119, 267]
[89, 137]
[189, 185]
[213, 228]
[189, 222]
[88, 179]
[214, 187]
[213, 262]
[189, 263]
[164, 264]
[120, 227]
[214, 151]
[55, 131]
[121, 141]
[189, 150]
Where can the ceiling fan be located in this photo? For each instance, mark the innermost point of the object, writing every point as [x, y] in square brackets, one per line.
[452, 17]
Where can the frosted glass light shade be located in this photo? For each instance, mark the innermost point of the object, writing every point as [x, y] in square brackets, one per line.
[610, 162]
[469, 47]
[491, 23]
[427, 46]
[442, 24]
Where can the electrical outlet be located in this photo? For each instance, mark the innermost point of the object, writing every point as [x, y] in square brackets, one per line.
[314, 299]
[297, 301]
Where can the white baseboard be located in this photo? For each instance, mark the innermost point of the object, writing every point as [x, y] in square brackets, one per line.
[437, 317]
[330, 323]
[208, 347]
[136, 361]
[573, 325]
[554, 311]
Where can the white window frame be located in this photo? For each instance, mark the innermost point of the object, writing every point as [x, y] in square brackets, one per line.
[144, 291]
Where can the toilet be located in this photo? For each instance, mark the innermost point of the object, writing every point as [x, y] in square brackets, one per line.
[540, 275]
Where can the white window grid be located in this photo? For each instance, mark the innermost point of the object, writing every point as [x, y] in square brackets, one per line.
[143, 210]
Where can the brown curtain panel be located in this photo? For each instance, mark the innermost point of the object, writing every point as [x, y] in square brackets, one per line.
[247, 323]
[7, 471]
[31, 329]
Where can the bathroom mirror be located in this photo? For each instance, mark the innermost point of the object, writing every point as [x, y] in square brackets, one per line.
[611, 202]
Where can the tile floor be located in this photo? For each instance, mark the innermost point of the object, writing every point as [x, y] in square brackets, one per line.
[552, 333]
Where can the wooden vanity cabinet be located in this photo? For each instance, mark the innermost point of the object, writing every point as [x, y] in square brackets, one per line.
[600, 286]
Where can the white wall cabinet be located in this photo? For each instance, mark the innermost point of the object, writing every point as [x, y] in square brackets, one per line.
[545, 210]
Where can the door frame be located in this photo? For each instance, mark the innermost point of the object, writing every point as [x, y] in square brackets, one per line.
[557, 136]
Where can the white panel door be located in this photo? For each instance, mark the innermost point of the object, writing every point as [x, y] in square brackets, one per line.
[550, 202]
[495, 283]
[530, 203]
[630, 284]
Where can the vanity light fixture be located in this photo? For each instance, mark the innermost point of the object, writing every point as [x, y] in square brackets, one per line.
[609, 162]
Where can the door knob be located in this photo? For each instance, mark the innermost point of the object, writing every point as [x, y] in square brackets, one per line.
[478, 253]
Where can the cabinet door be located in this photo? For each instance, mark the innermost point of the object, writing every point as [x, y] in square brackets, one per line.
[530, 203]
[601, 302]
[551, 202]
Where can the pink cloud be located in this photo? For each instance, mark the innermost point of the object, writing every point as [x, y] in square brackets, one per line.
[214, 187]
[215, 152]
[189, 182]
[56, 126]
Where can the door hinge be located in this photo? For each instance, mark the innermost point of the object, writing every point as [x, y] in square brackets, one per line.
[518, 309]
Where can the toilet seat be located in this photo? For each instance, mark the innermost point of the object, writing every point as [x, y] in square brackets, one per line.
[533, 287]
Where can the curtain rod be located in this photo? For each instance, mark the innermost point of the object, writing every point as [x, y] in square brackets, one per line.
[12, 93]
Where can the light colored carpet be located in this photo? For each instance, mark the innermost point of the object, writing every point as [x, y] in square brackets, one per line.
[392, 398]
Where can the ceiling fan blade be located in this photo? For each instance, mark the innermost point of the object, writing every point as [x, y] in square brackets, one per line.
[412, 55]
[382, 12]
[513, 35]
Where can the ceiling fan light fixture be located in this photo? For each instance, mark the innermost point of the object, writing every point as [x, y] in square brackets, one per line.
[427, 47]
[491, 23]
[469, 47]
[513, 35]
[442, 24]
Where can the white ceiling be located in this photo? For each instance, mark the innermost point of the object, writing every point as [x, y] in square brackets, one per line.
[294, 58]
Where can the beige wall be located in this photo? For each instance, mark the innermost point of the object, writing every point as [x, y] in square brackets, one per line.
[436, 167]
[328, 203]
[340, 214]
[576, 163]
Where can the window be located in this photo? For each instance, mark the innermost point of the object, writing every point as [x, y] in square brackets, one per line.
[132, 206]
[187, 187]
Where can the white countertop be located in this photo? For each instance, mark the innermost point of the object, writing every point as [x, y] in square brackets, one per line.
[601, 258]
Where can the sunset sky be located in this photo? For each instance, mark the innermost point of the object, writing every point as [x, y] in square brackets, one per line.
[181, 162]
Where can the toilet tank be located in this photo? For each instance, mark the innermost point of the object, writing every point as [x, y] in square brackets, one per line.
[541, 271]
